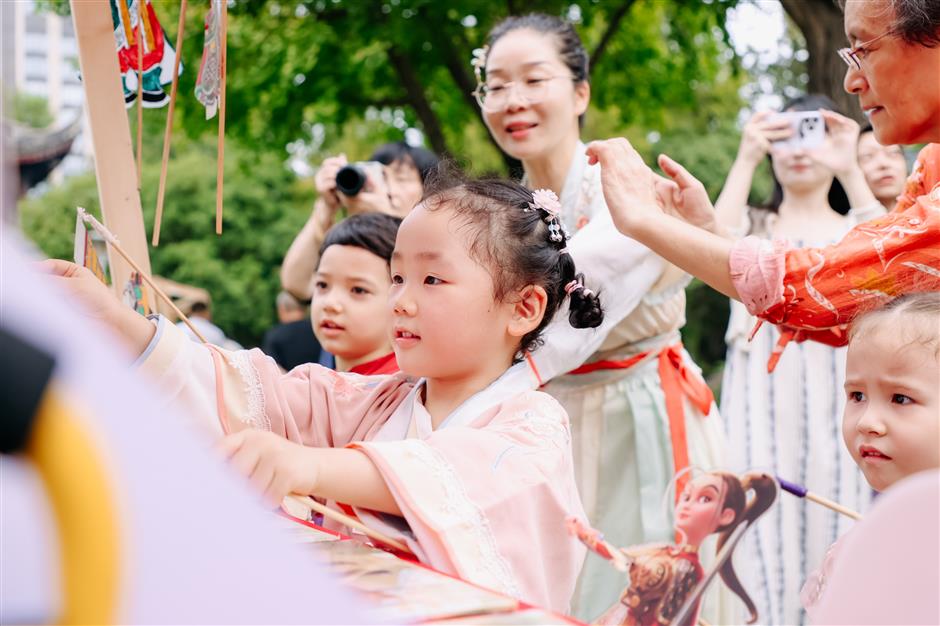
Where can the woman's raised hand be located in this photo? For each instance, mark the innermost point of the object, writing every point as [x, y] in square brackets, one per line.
[628, 184]
[839, 151]
[764, 128]
[684, 196]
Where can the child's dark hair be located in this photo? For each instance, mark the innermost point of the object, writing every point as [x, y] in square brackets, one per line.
[374, 232]
[401, 152]
[512, 237]
[570, 48]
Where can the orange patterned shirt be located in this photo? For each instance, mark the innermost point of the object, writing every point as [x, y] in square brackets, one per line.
[814, 293]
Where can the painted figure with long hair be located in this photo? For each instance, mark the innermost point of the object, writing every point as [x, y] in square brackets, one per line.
[664, 576]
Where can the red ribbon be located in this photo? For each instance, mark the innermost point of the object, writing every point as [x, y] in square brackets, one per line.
[678, 381]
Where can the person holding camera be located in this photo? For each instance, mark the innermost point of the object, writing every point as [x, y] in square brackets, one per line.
[814, 176]
[390, 182]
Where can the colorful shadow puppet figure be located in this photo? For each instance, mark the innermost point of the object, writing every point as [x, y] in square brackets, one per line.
[663, 577]
[158, 55]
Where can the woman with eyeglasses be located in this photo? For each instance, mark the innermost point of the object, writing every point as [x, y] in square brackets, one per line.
[814, 293]
[640, 410]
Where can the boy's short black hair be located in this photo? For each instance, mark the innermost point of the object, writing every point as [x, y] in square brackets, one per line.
[374, 232]
[399, 151]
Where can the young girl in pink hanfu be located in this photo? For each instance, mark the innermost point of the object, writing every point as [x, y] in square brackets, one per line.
[474, 475]
[891, 423]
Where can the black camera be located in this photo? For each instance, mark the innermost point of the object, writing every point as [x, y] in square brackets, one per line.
[351, 178]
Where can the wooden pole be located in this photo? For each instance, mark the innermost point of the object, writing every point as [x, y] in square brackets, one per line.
[223, 63]
[169, 125]
[110, 136]
[140, 93]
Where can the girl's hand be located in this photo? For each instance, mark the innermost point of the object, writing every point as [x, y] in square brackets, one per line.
[325, 181]
[100, 303]
[628, 184]
[274, 466]
[80, 282]
[759, 133]
[839, 151]
[684, 196]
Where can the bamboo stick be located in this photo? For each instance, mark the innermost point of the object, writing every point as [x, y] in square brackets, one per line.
[802, 492]
[140, 93]
[116, 246]
[167, 134]
[342, 518]
[223, 63]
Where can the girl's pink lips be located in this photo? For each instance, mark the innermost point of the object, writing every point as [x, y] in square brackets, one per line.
[872, 454]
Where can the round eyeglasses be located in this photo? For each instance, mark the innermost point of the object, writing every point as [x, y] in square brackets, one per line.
[853, 56]
[494, 97]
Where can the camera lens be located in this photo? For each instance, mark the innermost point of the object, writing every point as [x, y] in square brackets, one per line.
[350, 179]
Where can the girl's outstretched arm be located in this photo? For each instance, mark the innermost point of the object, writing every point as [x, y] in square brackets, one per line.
[277, 467]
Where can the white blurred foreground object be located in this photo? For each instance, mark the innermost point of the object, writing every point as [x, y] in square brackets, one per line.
[191, 545]
[888, 570]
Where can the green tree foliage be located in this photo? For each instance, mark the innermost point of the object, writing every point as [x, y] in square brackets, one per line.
[319, 77]
[30, 110]
[311, 70]
[265, 206]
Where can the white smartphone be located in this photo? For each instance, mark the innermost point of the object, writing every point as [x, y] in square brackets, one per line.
[809, 130]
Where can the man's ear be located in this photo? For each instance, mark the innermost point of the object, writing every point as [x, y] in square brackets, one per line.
[528, 309]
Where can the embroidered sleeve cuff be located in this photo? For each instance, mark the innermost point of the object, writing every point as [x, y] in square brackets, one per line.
[162, 349]
[159, 321]
[757, 270]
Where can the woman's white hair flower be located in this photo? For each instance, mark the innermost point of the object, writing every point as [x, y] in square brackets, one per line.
[479, 62]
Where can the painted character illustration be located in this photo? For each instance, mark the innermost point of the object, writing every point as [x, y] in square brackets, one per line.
[663, 577]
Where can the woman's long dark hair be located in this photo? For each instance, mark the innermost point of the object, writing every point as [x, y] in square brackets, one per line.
[838, 199]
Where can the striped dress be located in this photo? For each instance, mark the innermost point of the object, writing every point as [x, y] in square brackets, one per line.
[788, 422]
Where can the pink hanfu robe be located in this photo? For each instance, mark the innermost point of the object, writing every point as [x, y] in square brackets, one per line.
[485, 495]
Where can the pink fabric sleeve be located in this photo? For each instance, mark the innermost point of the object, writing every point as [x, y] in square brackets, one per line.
[488, 502]
[313, 405]
[757, 270]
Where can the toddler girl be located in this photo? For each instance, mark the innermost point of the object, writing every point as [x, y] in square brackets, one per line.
[474, 475]
[891, 424]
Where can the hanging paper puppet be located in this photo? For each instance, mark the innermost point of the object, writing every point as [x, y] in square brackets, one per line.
[208, 82]
[85, 253]
[667, 580]
[135, 294]
[158, 55]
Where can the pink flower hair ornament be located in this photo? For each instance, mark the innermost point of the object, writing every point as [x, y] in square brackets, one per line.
[546, 200]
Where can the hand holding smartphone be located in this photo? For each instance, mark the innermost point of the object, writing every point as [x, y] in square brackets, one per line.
[809, 130]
